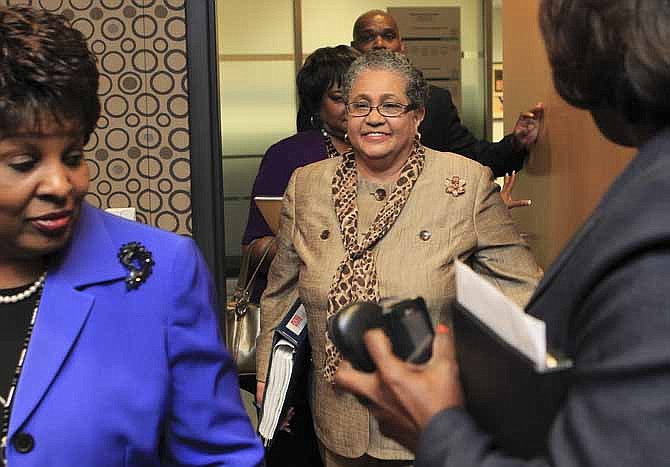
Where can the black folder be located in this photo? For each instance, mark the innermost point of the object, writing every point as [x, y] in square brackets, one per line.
[506, 394]
[294, 330]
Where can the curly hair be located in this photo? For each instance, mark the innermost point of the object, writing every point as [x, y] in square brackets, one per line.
[382, 59]
[324, 68]
[47, 72]
[611, 52]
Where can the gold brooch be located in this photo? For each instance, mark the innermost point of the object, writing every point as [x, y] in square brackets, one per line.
[455, 185]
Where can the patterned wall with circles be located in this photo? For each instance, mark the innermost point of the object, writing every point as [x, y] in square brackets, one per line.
[139, 154]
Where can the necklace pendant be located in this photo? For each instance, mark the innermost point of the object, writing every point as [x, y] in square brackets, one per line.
[3, 450]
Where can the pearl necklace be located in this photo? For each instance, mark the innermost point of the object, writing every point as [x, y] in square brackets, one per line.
[26, 293]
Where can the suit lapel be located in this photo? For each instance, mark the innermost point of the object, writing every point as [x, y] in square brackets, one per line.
[90, 258]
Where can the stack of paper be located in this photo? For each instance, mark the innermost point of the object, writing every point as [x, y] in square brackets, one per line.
[277, 383]
[523, 332]
[286, 378]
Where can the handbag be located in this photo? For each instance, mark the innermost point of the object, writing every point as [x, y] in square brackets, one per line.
[243, 322]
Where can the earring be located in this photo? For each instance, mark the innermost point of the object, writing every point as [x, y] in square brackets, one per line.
[417, 137]
[312, 121]
[346, 137]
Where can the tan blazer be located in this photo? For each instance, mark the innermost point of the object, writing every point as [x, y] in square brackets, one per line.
[416, 257]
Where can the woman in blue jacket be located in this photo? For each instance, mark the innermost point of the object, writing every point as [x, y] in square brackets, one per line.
[109, 351]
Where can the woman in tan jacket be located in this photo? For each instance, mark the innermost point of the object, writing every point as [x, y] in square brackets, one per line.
[385, 220]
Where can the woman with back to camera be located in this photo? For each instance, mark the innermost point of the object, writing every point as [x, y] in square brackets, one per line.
[385, 219]
[109, 351]
[321, 130]
[606, 298]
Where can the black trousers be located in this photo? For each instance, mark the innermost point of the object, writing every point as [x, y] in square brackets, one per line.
[299, 448]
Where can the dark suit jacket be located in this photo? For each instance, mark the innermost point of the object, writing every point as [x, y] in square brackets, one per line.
[442, 130]
[606, 302]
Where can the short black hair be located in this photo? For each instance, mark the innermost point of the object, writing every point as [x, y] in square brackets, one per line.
[324, 68]
[46, 71]
[360, 22]
[611, 53]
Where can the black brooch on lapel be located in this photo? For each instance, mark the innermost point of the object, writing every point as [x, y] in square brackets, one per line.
[136, 259]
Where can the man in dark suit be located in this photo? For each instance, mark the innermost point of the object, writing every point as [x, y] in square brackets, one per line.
[442, 129]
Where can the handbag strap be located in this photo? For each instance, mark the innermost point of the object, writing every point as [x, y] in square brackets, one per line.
[250, 281]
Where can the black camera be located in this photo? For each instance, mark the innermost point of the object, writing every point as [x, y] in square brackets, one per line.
[405, 322]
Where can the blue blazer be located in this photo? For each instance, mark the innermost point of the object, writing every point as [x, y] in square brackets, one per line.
[128, 378]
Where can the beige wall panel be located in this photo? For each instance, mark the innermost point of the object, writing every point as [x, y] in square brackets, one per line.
[255, 26]
[566, 174]
[258, 105]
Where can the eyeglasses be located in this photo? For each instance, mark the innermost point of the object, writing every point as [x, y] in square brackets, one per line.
[387, 109]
